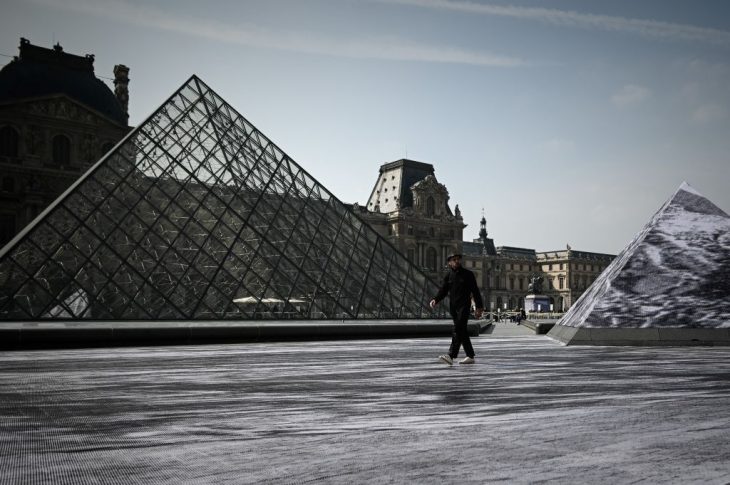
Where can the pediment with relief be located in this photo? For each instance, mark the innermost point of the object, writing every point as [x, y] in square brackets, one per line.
[430, 185]
[62, 107]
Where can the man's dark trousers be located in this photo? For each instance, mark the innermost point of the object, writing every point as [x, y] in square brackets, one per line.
[461, 333]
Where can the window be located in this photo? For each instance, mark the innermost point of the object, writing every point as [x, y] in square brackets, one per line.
[7, 228]
[561, 282]
[8, 142]
[561, 266]
[550, 267]
[430, 207]
[411, 254]
[410, 230]
[522, 282]
[8, 184]
[61, 150]
[431, 232]
[521, 267]
[431, 259]
[511, 283]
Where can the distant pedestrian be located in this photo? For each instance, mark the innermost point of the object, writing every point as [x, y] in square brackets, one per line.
[461, 287]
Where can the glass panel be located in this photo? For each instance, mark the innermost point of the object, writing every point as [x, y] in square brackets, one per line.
[196, 209]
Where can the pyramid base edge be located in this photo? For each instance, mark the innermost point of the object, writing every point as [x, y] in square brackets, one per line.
[641, 336]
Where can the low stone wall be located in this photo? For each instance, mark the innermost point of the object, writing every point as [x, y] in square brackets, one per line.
[115, 334]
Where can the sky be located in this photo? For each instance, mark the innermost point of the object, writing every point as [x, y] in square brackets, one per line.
[564, 121]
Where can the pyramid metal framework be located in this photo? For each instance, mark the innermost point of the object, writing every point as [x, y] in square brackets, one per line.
[196, 215]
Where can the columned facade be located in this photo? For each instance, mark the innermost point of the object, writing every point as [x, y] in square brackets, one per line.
[410, 208]
[56, 119]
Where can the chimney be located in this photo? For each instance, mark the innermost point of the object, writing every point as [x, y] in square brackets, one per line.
[121, 86]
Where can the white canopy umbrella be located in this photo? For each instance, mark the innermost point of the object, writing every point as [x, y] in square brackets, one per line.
[252, 300]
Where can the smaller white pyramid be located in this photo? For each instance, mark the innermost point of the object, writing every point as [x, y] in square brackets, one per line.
[674, 274]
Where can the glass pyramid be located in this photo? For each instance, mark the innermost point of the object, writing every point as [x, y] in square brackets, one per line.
[196, 215]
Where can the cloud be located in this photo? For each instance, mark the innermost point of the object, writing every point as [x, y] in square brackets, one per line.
[630, 95]
[568, 18]
[383, 47]
[707, 113]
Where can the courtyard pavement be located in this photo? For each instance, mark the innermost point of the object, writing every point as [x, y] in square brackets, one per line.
[366, 411]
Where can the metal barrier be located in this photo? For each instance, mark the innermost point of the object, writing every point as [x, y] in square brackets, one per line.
[545, 315]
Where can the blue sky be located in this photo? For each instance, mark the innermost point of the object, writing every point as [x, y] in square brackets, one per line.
[567, 122]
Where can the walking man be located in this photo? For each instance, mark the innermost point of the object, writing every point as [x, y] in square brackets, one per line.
[461, 286]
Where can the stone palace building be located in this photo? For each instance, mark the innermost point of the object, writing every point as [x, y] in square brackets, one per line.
[411, 208]
[56, 119]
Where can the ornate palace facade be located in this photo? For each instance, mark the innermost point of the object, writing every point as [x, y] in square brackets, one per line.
[56, 119]
[411, 209]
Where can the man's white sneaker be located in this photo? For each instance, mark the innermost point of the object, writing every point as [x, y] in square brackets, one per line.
[446, 359]
[468, 360]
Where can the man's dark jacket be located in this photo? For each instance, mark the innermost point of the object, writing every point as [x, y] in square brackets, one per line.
[461, 286]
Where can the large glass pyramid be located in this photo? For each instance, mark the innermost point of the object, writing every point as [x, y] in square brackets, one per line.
[197, 215]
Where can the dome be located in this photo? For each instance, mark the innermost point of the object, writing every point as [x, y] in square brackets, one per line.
[45, 72]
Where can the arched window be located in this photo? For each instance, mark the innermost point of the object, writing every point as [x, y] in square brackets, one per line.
[8, 184]
[61, 150]
[8, 142]
[431, 259]
[430, 207]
